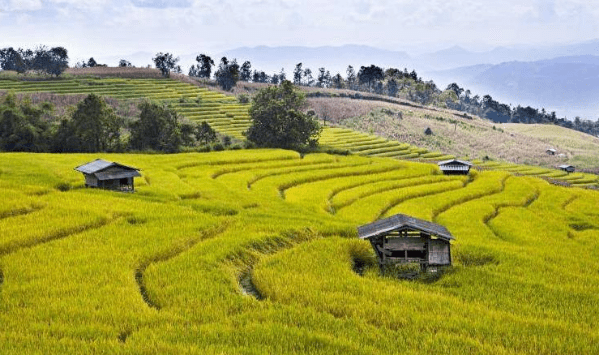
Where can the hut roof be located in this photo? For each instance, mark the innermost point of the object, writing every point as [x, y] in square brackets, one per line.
[105, 170]
[400, 221]
[454, 161]
[551, 150]
[566, 166]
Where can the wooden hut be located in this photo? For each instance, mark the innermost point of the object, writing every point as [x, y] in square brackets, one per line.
[551, 151]
[567, 168]
[455, 167]
[109, 175]
[405, 239]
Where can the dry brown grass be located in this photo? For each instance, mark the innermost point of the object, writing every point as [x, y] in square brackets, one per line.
[118, 72]
[335, 110]
[63, 103]
[474, 138]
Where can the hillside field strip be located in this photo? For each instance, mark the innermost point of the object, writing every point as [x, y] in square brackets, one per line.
[256, 252]
[224, 113]
[228, 117]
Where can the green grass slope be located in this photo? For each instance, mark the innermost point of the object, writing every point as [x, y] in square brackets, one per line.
[581, 149]
[253, 252]
[459, 135]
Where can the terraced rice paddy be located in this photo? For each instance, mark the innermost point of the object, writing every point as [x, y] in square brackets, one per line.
[552, 175]
[248, 252]
[222, 112]
[371, 145]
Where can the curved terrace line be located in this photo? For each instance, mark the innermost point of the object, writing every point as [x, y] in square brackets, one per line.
[140, 270]
[397, 202]
[302, 169]
[487, 220]
[282, 165]
[339, 190]
[61, 234]
[570, 201]
[339, 206]
[228, 162]
[20, 212]
[285, 187]
[471, 198]
[58, 235]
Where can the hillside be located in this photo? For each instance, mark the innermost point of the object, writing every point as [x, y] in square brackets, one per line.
[390, 127]
[256, 252]
[454, 134]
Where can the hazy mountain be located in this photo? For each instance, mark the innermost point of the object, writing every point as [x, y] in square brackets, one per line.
[455, 56]
[567, 85]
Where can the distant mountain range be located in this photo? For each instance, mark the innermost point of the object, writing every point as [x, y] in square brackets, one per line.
[568, 85]
[558, 77]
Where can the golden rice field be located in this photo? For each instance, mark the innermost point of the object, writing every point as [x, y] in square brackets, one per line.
[255, 251]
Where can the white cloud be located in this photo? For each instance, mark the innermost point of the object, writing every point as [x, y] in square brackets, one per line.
[20, 5]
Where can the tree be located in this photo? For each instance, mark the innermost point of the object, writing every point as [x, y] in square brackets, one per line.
[22, 125]
[158, 128]
[259, 77]
[95, 126]
[92, 62]
[227, 74]
[320, 80]
[205, 134]
[308, 79]
[282, 75]
[165, 62]
[455, 88]
[188, 133]
[298, 74]
[52, 61]
[324, 78]
[369, 75]
[337, 81]
[392, 87]
[205, 64]
[278, 120]
[245, 73]
[274, 79]
[378, 87]
[11, 59]
[351, 77]
[124, 63]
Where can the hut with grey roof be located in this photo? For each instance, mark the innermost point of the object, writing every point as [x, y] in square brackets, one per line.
[567, 168]
[455, 167]
[109, 175]
[404, 239]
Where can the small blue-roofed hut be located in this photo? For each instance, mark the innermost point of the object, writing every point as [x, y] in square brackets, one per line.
[109, 175]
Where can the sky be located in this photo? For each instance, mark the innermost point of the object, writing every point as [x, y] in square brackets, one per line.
[119, 27]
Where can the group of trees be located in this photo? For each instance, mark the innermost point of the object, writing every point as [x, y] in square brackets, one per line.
[229, 72]
[91, 63]
[52, 61]
[93, 126]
